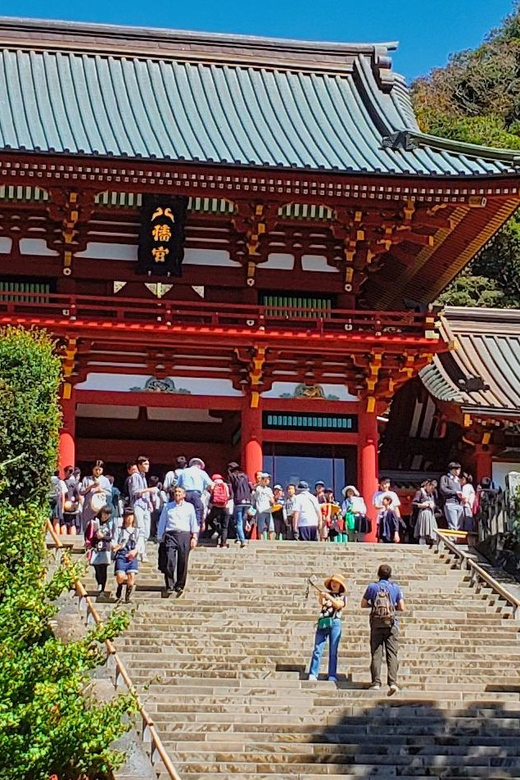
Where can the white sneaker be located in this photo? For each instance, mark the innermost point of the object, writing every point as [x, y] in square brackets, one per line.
[393, 689]
[214, 535]
[312, 678]
[374, 687]
[333, 679]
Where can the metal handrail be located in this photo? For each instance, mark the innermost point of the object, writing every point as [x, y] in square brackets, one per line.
[156, 745]
[477, 572]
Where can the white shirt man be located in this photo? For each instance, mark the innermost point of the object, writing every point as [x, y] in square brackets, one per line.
[384, 490]
[177, 533]
[306, 514]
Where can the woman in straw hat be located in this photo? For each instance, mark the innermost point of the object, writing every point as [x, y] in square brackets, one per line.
[332, 602]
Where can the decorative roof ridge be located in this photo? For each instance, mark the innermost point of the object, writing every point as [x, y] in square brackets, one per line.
[410, 139]
[159, 43]
[476, 314]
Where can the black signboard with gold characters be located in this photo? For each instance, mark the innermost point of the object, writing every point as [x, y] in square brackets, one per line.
[161, 243]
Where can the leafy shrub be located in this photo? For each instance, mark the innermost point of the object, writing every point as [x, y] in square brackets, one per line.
[48, 723]
[29, 425]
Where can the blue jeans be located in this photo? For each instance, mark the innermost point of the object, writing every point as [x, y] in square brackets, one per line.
[240, 516]
[333, 635]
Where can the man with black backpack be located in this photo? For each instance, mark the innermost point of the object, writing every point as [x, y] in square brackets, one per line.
[384, 599]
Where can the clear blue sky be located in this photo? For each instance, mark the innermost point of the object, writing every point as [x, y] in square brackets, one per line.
[428, 30]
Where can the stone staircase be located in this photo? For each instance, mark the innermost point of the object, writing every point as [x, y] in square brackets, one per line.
[223, 669]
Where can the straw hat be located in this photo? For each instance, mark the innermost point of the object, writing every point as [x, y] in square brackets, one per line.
[337, 578]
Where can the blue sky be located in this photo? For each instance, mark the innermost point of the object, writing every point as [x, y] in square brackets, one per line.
[428, 30]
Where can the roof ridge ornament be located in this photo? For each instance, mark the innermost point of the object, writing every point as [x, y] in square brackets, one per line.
[382, 68]
[403, 140]
[408, 140]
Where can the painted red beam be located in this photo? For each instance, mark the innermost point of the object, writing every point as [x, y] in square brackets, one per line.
[311, 437]
[160, 400]
[165, 336]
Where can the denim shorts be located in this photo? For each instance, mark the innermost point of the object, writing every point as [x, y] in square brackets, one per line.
[126, 565]
[264, 522]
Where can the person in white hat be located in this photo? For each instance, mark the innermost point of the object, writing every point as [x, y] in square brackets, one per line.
[194, 481]
[354, 510]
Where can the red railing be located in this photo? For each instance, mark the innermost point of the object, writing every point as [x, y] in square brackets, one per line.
[85, 308]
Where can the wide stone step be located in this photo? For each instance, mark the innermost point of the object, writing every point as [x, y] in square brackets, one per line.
[226, 687]
[365, 767]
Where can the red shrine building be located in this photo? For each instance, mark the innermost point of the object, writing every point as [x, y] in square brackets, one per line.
[234, 239]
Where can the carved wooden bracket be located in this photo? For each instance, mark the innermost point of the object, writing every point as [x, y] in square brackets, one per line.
[255, 375]
[72, 211]
[254, 220]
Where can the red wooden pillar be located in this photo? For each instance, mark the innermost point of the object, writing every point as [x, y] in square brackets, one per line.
[483, 463]
[368, 463]
[252, 438]
[67, 446]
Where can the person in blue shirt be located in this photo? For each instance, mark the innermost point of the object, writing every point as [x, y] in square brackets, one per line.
[177, 535]
[384, 599]
[194, 481]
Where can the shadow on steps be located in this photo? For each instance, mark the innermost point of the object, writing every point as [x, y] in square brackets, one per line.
[416, 739]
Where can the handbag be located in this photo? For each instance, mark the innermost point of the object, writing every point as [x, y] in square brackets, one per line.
[98, 501]
[325, 623]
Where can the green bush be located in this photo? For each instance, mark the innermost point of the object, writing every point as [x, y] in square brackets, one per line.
[29, 425]
[47, 722]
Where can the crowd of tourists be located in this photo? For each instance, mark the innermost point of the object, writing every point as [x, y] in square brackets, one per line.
[189, 504]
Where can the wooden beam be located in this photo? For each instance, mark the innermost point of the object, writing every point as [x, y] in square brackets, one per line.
[157, 400]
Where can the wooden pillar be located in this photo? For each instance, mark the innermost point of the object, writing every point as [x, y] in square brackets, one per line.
[67, 445]
[483, 463]
[368, 463]
[252, 438]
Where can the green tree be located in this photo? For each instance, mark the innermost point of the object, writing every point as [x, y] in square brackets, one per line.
[29, 425]
[476, 99]
[48, 723]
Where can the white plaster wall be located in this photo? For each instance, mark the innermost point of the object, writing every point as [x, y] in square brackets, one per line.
[36, 246]
[123, 383]
[5, 245]
[318, 263]
[278, 261]
[499, 471]
[213, 257]
[281, 388]
[100, 250]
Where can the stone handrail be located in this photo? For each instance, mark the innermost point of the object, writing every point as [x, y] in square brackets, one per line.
[149, 732]
[478, 574]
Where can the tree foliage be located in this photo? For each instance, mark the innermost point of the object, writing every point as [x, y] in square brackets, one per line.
[476, 99]
[29, 424]
[48, 723]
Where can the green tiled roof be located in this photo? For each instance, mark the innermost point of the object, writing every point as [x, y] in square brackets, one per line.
[147, 94]
[486, 346]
